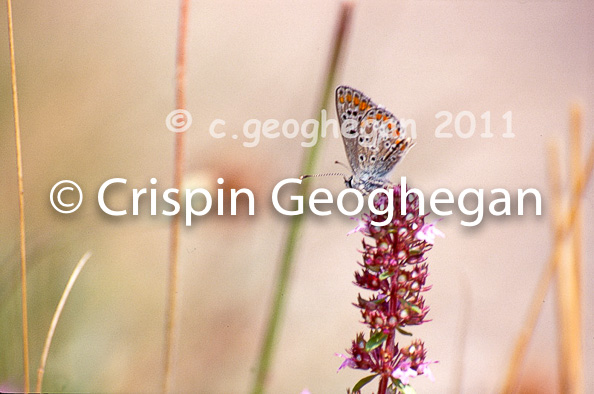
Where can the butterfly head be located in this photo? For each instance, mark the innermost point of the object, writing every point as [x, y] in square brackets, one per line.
[365, 183]
[348, 181]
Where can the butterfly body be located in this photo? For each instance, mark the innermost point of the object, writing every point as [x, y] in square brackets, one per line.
[365, 181]
[373, 139]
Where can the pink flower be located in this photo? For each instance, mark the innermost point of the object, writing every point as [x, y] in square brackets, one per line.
[423, 369]
[348, 362]
[428, 233]
[361, 227]
[403, 376]
[427, 372]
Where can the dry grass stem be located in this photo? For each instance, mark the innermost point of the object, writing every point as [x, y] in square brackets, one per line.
[568, 273]
[17, 133]
[50, 333]
[180, 103]
[563, 226]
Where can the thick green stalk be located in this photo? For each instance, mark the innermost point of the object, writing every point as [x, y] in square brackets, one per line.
[292, 241]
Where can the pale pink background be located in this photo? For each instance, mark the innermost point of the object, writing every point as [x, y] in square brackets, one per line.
[96, 81]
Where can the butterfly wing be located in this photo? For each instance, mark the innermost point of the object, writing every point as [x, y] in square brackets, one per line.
[373, 138]
[351, 106]
[382, 142]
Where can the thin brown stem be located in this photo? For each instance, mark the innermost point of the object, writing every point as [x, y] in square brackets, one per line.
[568, 278]
[50, 333]
[575, 138]
[17, 133]
[180, 103]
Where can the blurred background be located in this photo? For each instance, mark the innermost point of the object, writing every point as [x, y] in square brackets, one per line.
[96, 81]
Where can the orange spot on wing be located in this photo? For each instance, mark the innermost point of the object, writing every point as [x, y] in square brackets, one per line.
[357, 101]
[341, 99]
[363, 105]
[378, 116]
[349, 97]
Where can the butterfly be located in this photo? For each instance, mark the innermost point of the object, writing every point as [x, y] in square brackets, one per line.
[373, 139]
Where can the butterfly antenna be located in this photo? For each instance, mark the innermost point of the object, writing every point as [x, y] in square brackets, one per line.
[342, 164]
[320, 175]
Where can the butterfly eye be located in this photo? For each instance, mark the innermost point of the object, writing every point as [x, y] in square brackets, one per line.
[387, 144]
[361, 158]
[372, 159]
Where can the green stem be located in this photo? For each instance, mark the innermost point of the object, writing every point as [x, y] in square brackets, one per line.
[288, 255]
